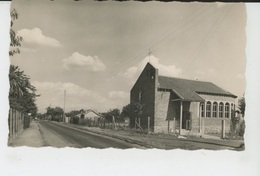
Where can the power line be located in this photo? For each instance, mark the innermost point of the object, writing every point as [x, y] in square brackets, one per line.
[213, 29]
[179, 35]
[144, 51]
[128, 62]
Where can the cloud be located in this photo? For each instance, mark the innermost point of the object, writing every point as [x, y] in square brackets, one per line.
[166, 70]
[35, 36]
[130, 72]
[118, 95]
[52, 93]
[78, 61]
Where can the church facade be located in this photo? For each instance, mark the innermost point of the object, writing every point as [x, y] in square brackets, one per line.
[174, 104]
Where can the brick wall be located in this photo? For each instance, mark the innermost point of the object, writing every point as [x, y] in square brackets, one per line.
[213, 125]
[163, 106]
[166, 110]
[194, 109]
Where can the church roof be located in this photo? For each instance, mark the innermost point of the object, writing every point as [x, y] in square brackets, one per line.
[189, 90]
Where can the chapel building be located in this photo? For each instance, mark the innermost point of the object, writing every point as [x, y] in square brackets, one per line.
[175, 104]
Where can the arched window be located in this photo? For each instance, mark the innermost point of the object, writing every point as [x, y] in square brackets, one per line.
[215, 107]
[202, 109]
[208, 109]
[227, 110]
[221, 106]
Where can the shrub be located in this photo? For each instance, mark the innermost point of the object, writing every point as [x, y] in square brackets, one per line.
[234, 125]
[241, 130]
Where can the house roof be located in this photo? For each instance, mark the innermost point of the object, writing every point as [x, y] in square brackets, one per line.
[189, 90]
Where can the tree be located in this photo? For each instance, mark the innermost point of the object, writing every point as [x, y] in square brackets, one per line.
[73, 113]
[55, 113]
[22, 94]
[242, 105]
[15, 40]
[112, 112]
[136, 110]
[126, 111]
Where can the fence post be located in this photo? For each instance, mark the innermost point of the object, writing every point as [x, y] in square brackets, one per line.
[15, 122]
[18, 123]
[22, 121]
[223, 129]
[135, 122]
[148, 123]
[139, 121]
[10, 125]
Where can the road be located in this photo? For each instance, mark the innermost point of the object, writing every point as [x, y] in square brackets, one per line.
[57, 135]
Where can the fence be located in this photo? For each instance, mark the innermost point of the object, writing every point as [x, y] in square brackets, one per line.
[17, 122]
[98, 122]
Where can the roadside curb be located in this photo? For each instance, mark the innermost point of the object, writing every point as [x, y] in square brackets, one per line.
[108, 135]
[208, 141]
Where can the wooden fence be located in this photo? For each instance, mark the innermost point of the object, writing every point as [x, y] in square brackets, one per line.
[17, 122]
[98, 122]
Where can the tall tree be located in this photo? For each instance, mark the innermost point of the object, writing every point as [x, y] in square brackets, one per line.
[22, 94]
[57, 111]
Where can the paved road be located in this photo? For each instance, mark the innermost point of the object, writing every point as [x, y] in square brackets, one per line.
[57, 135]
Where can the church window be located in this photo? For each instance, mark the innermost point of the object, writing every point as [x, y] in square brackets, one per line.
[215, 106]
[221, 105]
[208, 109]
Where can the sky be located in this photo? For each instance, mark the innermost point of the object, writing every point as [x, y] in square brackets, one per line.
[96, 50]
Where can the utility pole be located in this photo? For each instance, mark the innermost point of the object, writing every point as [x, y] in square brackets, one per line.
[64, 106]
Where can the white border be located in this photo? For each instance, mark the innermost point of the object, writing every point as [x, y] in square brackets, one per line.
[43, 161]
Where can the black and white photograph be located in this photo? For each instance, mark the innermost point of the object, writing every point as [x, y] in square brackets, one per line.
[127, 75]
[95, 87]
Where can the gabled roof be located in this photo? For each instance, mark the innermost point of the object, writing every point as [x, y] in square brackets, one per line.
[189, 90]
